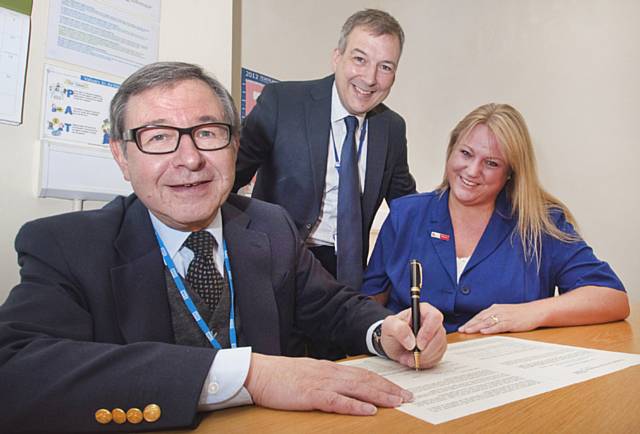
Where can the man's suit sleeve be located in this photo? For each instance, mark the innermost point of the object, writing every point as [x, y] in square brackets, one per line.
[57, 374]
[402, 182]
[327, 309]
[257, 138]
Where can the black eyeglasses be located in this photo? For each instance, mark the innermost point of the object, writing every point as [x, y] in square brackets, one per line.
[163, 139]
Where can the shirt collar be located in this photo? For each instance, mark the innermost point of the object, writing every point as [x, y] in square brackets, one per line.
[338, 112]
[173, 239]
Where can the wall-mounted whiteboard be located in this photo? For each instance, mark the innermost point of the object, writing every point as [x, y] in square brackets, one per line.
[69, 171]
[76, 161]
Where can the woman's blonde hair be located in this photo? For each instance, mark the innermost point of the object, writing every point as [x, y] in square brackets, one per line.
[529, 201]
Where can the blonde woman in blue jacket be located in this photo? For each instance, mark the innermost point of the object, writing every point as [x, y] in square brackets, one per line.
[494, 245]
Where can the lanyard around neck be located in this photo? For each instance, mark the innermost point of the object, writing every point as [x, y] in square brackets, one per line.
[363, 134]
[168, 262]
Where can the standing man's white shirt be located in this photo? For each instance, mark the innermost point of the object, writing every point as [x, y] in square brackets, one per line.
[324, 232]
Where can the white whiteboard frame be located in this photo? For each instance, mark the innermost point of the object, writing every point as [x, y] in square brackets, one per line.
[84, 172]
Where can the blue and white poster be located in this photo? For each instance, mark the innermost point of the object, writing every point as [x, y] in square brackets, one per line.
[76, 107]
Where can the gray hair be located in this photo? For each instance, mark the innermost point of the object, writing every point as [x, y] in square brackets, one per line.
[167, 74]
[376, 21]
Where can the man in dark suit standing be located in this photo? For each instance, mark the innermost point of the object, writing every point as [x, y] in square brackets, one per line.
[295, 139]
[181, 298]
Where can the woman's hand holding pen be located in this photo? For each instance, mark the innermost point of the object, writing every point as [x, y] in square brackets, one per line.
[398, 340]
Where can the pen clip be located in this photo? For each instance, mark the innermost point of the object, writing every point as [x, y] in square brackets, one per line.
[416, 273]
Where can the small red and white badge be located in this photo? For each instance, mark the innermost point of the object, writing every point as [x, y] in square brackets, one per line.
[438, 235]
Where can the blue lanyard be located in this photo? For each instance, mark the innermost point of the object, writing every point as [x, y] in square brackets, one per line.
[168, 262]
[363, 133]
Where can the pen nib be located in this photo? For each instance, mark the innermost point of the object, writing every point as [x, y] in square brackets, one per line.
[416, 358]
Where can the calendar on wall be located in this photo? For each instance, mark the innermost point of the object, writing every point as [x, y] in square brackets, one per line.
[252, 85]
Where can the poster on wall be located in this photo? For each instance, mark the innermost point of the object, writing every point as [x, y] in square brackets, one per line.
[76, 161]
[252, 85]
[14, 46]
[76, 106]
[114, 36]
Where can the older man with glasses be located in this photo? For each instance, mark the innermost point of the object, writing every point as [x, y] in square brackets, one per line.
[182, 298]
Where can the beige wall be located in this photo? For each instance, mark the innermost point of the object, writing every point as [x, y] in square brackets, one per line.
[569, 66]
[179, 40]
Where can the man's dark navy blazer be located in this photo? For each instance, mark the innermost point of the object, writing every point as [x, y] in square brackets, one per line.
[286, 136]
[89, 325]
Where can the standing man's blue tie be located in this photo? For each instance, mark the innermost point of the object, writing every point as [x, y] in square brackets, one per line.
[349, 231]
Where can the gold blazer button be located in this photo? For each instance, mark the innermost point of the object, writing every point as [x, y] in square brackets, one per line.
[134, 415]
[119, 416]
[152, 412]
[103, 416]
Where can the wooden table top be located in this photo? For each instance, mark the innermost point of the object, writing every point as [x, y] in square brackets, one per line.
[608, 404]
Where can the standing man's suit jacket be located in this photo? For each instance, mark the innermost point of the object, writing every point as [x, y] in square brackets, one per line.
[89, 326]
[286, 136]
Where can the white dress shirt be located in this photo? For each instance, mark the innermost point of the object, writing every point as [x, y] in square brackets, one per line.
[324, 231]
[224, 385]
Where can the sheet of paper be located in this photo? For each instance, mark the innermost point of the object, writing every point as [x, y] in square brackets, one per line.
[112, 36]
[485, 373]
[14, 44]
[76, 107]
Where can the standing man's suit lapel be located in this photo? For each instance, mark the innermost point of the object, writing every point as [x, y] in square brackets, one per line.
[377, 147]
[139, 286]
[250, 258]
[318, 124]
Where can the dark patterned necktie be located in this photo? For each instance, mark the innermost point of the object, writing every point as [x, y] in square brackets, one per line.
[203, 276]
[349, 230]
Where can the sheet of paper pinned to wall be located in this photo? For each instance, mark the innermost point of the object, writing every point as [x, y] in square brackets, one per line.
[485, 373]
[114, 36]
[76, 106]
[14, 45]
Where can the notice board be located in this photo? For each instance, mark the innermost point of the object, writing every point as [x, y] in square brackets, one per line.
[76, 161]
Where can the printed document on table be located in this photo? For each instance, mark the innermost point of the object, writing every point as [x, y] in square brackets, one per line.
[485, 373]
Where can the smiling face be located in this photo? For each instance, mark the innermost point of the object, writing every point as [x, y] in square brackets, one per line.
[186, 188]
[477, 169]
[366, 70]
